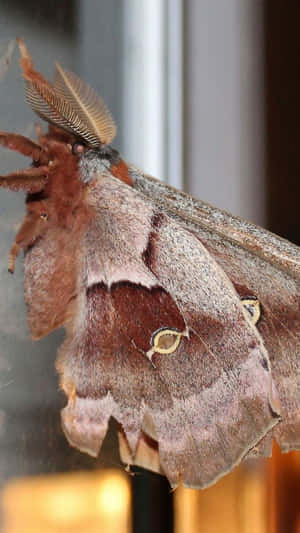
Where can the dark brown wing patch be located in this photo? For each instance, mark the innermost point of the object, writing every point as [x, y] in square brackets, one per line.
[112, 370]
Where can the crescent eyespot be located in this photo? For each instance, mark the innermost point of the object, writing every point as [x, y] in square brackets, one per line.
[253, 306]
[166, 340]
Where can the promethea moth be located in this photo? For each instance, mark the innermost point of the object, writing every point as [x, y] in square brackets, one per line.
[182, 321]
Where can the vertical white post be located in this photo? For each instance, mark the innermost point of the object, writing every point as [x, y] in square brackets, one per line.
[144, 85]
[225, 104]
[175, 140]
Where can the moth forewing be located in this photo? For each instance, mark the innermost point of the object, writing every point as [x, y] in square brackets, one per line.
[262, 267]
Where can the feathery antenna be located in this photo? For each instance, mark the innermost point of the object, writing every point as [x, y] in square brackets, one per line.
[69, 103]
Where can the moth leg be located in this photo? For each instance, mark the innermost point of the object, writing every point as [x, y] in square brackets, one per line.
[13, 254]
[39, 131]
[33, 226]
[29, 179]
[20, 144]
[56, 134]
[59, 135]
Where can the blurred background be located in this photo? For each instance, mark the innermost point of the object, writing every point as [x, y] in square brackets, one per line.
[206, 96]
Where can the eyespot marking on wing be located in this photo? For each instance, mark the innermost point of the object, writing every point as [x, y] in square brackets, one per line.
[253, 306]
[165, 341]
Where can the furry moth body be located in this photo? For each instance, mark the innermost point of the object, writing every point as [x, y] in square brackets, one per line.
[182, 322]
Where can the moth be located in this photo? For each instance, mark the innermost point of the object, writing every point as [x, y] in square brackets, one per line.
[182, 321]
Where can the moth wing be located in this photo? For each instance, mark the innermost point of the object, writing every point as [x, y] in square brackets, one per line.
[261, 266]
[208, 399]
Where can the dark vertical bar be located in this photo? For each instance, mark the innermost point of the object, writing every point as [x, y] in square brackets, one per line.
[55, 16]
[282, 93]
[282, 75]
[152, 503]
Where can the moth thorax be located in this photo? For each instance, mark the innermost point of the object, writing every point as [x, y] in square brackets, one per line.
[97, 161]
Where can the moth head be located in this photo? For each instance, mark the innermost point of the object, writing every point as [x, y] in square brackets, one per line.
[77, 116]
[78, 148]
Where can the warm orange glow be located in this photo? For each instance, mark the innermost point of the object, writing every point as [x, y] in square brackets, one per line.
[237, 503]
[64, 506]
[284, 494]
[257, 497]
[68, 503]
[113, 494]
